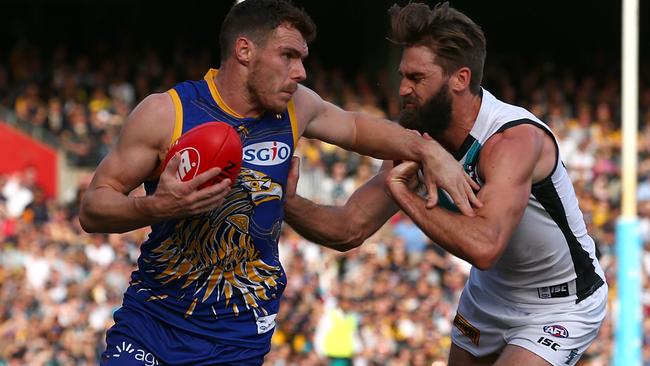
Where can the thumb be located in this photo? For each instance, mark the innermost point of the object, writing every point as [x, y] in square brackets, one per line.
[172, 165]
[433, 196]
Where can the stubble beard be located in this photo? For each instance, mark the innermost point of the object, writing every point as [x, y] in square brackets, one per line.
[257, 87]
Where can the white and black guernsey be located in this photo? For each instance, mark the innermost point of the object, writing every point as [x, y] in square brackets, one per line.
[550, 259]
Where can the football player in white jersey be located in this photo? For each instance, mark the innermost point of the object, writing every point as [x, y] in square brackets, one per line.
[536, 294]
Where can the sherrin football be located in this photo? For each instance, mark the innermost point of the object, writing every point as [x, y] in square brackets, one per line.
[211, 144]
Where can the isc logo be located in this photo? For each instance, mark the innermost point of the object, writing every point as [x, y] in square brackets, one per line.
[556, 331]
[267, 153]
[548, 343]
[189, 164]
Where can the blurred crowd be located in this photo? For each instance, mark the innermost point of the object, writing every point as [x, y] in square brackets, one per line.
[389, 302]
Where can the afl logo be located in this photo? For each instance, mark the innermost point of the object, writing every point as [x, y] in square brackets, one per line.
[556, 331]
[189, 164]
[267, 153]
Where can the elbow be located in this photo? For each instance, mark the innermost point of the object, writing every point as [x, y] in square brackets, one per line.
[483, 263]
[342, 248]
[351, 243]
[488, 251]
[354, 236]
[359, 232]
[86, 218]
[351, 240]
[86, 222]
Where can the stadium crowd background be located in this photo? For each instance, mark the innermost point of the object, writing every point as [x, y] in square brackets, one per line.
[59, 285]
[393, 298]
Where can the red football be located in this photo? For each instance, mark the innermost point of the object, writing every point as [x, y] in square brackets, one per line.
[212, 144]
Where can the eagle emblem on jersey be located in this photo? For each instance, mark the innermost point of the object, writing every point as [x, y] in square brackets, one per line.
[214, 252]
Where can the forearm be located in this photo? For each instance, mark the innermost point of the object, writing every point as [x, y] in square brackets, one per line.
[322, 224]
[106, 210]
[469, 238]
[383, 139]
[345, 227]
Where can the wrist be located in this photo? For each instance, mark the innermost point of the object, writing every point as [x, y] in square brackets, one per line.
[427, 149]
[147, 207]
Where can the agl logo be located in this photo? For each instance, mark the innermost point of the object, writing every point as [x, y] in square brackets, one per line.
[189, 164]
[267, 153]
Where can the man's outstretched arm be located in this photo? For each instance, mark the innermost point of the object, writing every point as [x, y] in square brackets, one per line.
[384, 139]
[340, 227]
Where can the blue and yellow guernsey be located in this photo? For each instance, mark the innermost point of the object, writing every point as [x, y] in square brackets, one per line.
[217, 276]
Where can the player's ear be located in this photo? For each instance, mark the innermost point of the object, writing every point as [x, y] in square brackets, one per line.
[460, 79]
[243, 50]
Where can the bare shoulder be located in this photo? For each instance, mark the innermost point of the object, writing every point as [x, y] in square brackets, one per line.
[515, 137]
[308, 105]
[151, 122]
[522, 148]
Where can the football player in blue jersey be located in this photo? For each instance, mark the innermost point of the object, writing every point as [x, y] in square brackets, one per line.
[209, 281]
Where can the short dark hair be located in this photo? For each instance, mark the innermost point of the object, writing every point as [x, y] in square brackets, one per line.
[257, 19]
[452, 36]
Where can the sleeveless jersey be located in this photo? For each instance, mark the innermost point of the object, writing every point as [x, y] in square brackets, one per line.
[550, 250]
[217, 275]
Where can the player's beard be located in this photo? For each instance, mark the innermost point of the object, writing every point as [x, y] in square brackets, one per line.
[432, 117]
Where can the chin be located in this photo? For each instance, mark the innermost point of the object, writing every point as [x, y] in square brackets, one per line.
[277, 106]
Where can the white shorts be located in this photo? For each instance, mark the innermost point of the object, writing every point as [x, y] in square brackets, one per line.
[485, 325]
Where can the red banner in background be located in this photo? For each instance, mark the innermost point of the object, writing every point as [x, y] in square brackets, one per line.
[18, 151]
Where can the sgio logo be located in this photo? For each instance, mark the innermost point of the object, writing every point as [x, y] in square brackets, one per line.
[189, 164]
[267, 153]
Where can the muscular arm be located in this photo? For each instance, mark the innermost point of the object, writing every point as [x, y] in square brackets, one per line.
[106, 206]
[384, 139]
[342, 227]
[509, 162]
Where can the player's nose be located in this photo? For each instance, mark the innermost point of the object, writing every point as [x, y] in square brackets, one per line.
[298, 72]
[405, 88]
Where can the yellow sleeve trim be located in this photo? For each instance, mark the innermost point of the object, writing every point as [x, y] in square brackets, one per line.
[178, 122]
[294, 122]
[209, 78]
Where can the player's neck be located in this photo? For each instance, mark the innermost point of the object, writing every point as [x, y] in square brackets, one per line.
[465, 109]
[234, 93]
